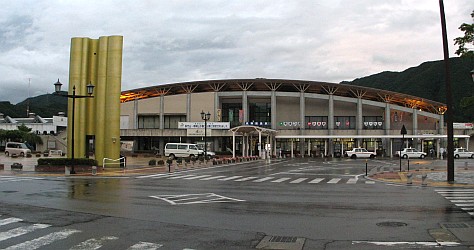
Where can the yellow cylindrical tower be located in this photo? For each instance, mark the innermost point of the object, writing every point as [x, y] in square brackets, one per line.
[96, 61]
[112, 107]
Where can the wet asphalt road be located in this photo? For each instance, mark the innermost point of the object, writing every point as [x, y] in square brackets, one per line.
[229, 207]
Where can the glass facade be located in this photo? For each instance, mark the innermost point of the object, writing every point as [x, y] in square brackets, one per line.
[344, 122]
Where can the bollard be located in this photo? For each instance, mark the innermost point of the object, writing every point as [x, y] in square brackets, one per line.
[94, 170]
[465, 165]
[409, 178]
[408, 166]
[365, 167]
[424, 180]
[391, 169]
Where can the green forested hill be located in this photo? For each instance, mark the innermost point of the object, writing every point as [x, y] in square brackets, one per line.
[428, 81]
[43, 105]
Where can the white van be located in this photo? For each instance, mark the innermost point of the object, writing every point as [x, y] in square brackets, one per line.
[175, 150]
[16, 148]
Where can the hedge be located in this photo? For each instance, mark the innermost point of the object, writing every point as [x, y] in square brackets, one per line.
[66, 161]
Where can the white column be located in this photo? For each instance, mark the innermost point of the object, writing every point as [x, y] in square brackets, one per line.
[162, 112]
[135, 114]
[309, 147]
[391, 148]
[233, 144]
[292, 156]
[188, 107]
[260, 143]
[274, 110]
[245, 106]
[359, 122]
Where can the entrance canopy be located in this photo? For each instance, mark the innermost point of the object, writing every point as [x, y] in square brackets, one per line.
[247, 131]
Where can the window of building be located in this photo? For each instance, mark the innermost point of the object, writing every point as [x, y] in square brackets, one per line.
[171, 121]
[148, 121]
[372, 122]
[260, 114]
[316, 122]
[344, 122]
[230, 113]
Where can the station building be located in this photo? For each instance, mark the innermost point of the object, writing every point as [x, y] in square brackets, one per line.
[286, 117]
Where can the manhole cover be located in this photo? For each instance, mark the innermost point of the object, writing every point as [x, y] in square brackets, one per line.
[281, 242]
[391, 224]
[454, 225]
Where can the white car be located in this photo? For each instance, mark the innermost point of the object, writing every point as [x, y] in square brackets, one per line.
[411, 153]
[462, 153]
[360, 153]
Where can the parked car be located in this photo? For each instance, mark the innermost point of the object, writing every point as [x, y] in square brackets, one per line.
[462, 153]
[175, 150]
[411, 153]
[16, 148]
[360, 153]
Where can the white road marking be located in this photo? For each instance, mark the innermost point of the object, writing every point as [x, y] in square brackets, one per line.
[408, 243]
[352, 181]
[43, 241]
[181, 176]
[299, 180]
[230, 178]
[334, 180]
[369, 182]
[212, 177]
[247, 178]
[186, 199]
[317, 180]
[93, 244]
[21, 231]
[264, 179]
[281, 180]
[197, 177]
[145, 246]
[9, 220]
[462, 201]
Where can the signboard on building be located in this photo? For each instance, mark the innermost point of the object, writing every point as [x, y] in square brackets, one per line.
[210, 125]
[463, 125]
[198, 132]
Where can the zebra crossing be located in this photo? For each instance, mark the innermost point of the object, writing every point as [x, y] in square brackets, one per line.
[15, 230]
[10, 178]
[258, 179]
[460, 197]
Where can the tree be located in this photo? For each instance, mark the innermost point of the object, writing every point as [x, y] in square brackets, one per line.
[22, 134]
[467, 39]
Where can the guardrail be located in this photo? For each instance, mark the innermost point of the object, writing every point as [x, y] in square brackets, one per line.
[119, 161]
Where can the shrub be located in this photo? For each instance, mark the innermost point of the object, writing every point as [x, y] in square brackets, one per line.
[161, 162]
[152, 162]
[67, 161]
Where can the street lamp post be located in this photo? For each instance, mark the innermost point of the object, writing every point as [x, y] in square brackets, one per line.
[449, 97]
[90, 90]
[403, 131]
[206, 118]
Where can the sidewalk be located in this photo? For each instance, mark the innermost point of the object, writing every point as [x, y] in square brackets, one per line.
[436, 176]
[134, 166]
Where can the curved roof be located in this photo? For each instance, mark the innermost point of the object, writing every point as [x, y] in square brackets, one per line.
[282, 85]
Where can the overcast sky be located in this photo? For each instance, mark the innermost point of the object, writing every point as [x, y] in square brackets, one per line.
[175, 41]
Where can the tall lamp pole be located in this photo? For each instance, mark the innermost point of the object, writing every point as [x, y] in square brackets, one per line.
[449, 97]
[403, 131]
[206, 118]
[90, 90]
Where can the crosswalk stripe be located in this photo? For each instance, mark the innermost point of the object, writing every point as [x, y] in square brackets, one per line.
[316, 180]
[281, 180]
[213, 177]
[92, 244]
[462, 201]
[247, 178]
[197, 177]
[299, 180]
[369, 182]
[352, 181]
[145, 246]
[264, 179]
[181, 176]
[21, 231]
[468, 208]
[230, 178]
[164, 176]
[334, 180]
[464, 204]
[43, 241]
[9, 220]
